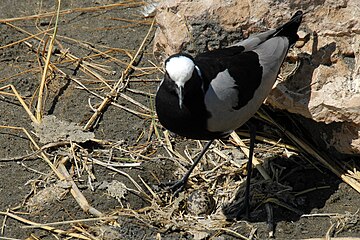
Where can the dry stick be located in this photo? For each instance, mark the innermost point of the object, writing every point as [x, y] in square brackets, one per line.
[24, 39]
[75, 10]
[39, 107]
[79, 197]
[43, 155]
[113, 92]
[85, 67]
[122, 173]
[232, 232]
[62, 174]
[48, 228]
[103, 98]
[87, 45]
[71, 222]
[133, 101]
[35, 69]
[3, 225]
[27, 156]
[270, 141]
[22, 102]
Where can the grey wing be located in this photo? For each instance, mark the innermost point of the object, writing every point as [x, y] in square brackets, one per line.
[221, 97]
[254, 40]
[271, 54]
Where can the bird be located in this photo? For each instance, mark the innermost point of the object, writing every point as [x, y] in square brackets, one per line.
[208, 96]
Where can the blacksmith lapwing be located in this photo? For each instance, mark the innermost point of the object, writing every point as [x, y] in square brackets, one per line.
[210, 95]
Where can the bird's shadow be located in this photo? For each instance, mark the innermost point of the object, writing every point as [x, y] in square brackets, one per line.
[296, 187]
[305, 188]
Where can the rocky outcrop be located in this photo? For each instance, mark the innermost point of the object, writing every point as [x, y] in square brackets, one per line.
[320, 81]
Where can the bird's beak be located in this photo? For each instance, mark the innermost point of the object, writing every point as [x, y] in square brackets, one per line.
[181, 96]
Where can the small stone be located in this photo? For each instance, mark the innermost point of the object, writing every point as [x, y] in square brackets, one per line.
[200, 203]
[303, 38]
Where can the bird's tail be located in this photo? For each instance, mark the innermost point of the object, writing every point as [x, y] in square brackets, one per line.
[290, 28]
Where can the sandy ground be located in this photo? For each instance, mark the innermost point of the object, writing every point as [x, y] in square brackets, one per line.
[93, 47]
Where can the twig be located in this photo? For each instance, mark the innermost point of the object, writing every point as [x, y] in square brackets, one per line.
[27, 156]
[71, 222]
[24, 39]
[48, 228]
[112, 103]
[79, 197]
[115, 89]
[39, 106]
[136, 164]
[74, 10]
[232, 232]
[22, 102]
[43, 155]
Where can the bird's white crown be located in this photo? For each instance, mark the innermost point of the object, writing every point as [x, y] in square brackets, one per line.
[180, 69]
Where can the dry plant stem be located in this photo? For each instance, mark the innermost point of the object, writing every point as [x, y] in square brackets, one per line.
[40, 102]
[48, 228]
[74, 10]
[139, 188]
[62, 174]
[79, 197]
[85, 67]
[236, 234]
[115, 89]
[122, 165]
[43, 155]
[256, 162]
[34, 70]
[22, 102]
[3, 225]
[71, 222]
[270, 141]
[27, 156]
[82, 86]
[24, 39]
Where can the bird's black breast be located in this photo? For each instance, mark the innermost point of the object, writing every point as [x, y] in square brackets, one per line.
[190, 120]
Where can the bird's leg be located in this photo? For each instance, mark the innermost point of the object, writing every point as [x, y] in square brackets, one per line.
[270, 219]
[179, 185]
[252, 129]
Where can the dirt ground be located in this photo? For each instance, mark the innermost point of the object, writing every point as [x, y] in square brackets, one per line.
[120, 170]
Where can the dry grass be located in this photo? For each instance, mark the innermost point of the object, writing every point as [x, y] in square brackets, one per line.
[219, 174]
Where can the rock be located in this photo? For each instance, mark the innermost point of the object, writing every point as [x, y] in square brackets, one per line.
[326, 84]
